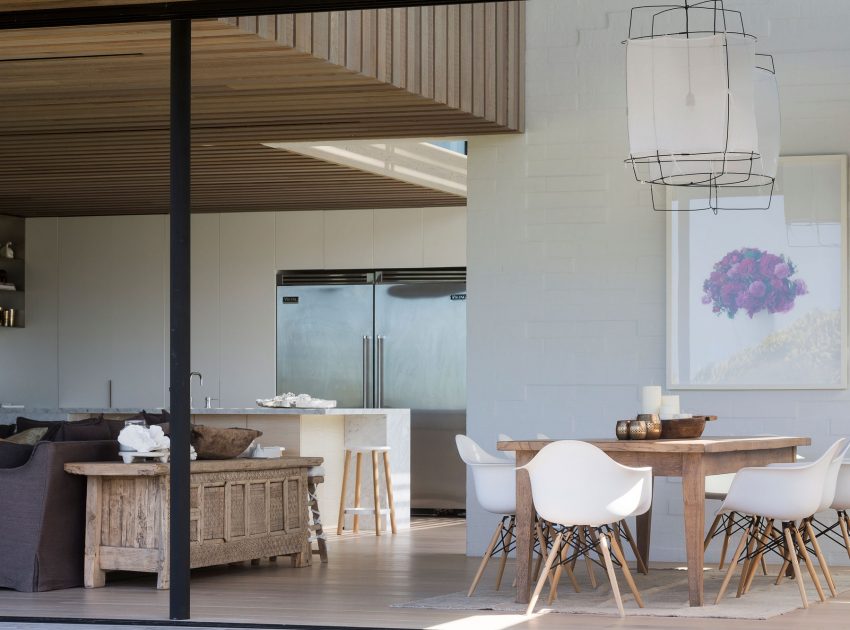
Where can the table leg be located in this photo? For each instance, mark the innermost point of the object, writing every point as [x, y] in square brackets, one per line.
[693, 493]
[644, 530]
[93, 575]
[524, 529]
[163, 578]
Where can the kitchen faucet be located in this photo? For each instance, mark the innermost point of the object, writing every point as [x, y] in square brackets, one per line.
[200, 382]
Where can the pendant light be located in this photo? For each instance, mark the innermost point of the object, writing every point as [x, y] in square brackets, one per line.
[695, 90]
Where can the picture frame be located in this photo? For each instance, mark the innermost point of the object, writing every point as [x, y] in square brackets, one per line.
[757, 299]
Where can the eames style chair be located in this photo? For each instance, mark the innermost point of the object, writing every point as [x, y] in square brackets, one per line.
[573, 501]
[841, 504]
[787, 494]
[494, 479]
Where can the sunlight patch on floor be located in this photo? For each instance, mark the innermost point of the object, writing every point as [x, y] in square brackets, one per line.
[484, 622]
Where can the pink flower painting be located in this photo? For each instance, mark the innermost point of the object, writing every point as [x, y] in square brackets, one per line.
[752, 280]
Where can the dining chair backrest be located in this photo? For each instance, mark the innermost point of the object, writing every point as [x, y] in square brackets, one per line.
[576, 483]
[841, 501]
[472, 453]
[785, 493]
[830, 486]
[494, 478]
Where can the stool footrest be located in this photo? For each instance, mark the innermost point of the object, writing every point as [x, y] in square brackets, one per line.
[363, 510]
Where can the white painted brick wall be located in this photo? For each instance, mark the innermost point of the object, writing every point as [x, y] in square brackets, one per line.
[566, 256]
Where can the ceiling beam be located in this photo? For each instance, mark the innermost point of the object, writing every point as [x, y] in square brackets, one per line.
[193, 10]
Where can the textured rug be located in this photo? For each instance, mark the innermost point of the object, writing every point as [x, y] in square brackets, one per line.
[664, 593]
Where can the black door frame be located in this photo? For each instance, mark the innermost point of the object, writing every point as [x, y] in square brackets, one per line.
[181, 14]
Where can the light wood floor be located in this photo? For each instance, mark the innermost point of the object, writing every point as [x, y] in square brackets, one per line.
[364, 577]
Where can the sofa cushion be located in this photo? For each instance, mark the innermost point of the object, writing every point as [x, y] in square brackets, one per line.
[214, 443]
[30, 436]
[53, 427]
[85, 430]
[6, 430]
[13, 455]
[156, 418]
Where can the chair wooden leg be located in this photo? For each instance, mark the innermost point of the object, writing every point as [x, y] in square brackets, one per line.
[509, 535]
[341, 521]
[390, 502]
[567, 566]
[547, 566]
[748, 557]
[733, 564]
[618, 553]
[762, 539]
[612, 577]
[792, 556]
[809, 566]
[827, 574]
[485, 559]
[711, 532]
[730, 522]
[544, 549]
[556, 578]
[641, 565]
[587, 561]
[842, 521]
[359, 461]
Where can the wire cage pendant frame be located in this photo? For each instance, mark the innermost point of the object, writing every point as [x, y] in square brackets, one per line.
[757, 192]
[700, 33]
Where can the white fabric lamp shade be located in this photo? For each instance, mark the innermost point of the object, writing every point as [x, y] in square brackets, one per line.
[691, 110]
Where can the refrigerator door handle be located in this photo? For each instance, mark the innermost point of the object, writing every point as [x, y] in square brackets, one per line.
[379, 377]
[366, 344]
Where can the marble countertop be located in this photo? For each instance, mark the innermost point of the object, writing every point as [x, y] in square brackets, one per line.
[235, 411]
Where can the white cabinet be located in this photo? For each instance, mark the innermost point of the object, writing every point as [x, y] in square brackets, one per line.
[348, 239]
[398, 238]
[444, 237]
[248, 331]
[300, 240]
[112, 286]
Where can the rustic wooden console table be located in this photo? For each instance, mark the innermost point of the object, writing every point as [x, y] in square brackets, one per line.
[241, 509]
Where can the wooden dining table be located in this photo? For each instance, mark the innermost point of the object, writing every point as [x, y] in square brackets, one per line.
[691, 460]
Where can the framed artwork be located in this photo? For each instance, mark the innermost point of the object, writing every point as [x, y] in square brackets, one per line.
[757, 299]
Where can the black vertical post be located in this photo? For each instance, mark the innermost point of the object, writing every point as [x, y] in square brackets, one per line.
[181, 95]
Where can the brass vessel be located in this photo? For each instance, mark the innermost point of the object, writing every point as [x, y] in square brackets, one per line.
[637, 430]
[623, 429]
[653, 425]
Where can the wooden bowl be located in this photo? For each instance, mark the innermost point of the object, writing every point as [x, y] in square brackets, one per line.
[685, 429]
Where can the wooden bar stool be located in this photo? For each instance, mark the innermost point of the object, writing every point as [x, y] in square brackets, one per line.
[357, 510]
[315, 476]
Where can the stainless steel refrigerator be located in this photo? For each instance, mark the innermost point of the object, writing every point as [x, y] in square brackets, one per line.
[384, 338]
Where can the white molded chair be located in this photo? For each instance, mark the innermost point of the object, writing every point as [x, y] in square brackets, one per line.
[841, 504]
[567, 496]
[494, 479]
[788, 494]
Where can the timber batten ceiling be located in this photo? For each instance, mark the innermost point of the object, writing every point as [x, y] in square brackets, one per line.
[84, 115]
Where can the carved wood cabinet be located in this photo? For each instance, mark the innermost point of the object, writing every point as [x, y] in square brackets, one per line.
[240, 509]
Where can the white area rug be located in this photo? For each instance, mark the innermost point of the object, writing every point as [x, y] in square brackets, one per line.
[664, 593]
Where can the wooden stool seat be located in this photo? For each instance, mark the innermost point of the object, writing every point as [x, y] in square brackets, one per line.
[357, 510]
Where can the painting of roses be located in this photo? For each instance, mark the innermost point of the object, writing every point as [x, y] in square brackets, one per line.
[757, 299]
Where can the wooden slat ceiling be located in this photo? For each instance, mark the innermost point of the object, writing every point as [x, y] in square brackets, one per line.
[84, 117]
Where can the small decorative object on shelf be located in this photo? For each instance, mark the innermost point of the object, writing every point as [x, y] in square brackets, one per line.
[623, 429]
[653, 425]
[8, 317]
[6, 251]
[637, 430]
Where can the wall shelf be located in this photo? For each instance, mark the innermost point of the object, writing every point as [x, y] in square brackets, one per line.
[14, 229]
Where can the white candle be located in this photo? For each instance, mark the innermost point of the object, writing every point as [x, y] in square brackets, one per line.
[669, 405]
[650, 399]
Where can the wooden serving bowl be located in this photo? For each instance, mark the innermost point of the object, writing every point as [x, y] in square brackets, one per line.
[684, 429]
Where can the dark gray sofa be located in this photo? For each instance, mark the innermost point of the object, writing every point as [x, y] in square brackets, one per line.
[42, 514]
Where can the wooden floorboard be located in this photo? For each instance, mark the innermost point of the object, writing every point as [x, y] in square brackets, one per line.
[364, 577]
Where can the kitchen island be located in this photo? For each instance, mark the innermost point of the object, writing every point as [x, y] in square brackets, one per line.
[324, 433]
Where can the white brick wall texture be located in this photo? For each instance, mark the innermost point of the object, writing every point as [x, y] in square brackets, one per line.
[567, 258]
